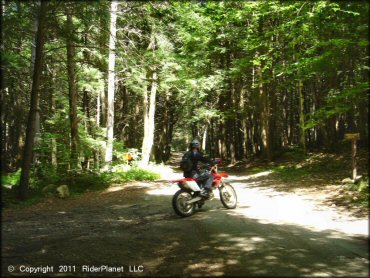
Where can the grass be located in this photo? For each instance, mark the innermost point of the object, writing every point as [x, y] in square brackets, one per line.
[293, 165]
[94, 182]
[78, 184]
[330, 170]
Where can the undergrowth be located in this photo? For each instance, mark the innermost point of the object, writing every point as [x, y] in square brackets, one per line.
[362, 192]
[78, 183]
[295, 169]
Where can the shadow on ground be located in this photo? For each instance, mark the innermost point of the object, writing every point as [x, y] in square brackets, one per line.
[121, 229]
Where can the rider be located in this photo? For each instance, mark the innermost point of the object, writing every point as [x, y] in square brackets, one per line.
[194, 173]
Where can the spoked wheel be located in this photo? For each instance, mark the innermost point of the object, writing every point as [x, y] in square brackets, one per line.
[180, 205]
[228, 196]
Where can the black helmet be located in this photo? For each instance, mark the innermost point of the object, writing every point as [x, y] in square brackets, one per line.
[195, 144]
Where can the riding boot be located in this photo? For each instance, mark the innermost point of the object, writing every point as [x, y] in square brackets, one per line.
[205, 192]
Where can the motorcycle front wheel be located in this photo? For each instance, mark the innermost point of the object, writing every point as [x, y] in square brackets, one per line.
[180, 205]
[228, 196]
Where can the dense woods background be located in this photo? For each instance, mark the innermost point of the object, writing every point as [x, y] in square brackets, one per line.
[86, 82]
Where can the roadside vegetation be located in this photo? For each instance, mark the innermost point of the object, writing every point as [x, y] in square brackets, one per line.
[318, 171]
[79, 183]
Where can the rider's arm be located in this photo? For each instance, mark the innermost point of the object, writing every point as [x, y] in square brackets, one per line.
[204, 158]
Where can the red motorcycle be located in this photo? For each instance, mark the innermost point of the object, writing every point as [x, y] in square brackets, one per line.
[188, 197]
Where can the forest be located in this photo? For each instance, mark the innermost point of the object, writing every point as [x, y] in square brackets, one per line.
[88, 85]
[100, 100]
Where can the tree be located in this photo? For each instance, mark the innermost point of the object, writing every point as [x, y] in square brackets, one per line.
[72, 89]
[249, 79]
[111, 82]
[149, 103]
[30, 132]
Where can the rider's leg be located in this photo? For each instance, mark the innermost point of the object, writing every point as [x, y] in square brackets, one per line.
[207, 186]
[208, 183]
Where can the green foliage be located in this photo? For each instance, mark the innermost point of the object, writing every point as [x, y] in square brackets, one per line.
[78, 184]
[362, 192]
[90, 143]
[11, 179]
[99, 181]
[362, 186]
[256, 170]
[213, 62]
[292, 173]
[91, 80]
[45, 174]
[294, 154]
[132, 174]
[339, 102]
[310, 168]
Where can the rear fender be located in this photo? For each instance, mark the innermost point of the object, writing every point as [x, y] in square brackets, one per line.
[191, 185]
[181, 180]
[187, 184]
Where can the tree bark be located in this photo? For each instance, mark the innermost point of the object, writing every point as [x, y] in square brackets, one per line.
[72, 92]
[54, 161]
[204, 138]
[244, 137]
[16, 153]
[111, 84]
[30, 132]
[149, 125]
[265, 117]
[301, 117]
[37, 119]
[149, 109]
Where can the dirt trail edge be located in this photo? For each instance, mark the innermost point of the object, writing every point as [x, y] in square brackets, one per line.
[132, 230]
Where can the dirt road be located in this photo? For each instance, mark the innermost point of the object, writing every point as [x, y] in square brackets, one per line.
[133, 230]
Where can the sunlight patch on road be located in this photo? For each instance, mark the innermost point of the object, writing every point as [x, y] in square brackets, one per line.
[168, 189]
[270, 206]
[164, 171]
[211, 268]
[114, 189]
[247, 177]
[131, 185]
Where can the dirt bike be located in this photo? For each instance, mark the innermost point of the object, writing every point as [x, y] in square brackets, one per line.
[188, 197]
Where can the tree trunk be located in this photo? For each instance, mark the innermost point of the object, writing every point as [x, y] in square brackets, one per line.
[54, 161]
[243, 123]
[72, 92]
[103, 106]
[204, 138]
[97, 152]
[163, 119]
[149, 125]
[30, 132]
[37, 119]
[86, 112]
[301, 117]
[18, 107]
[111, 84]
[265, 117]
[149, 110]
[98, 111]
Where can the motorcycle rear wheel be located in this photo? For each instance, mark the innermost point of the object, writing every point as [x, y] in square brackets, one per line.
[228, 196]
[179, 203]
